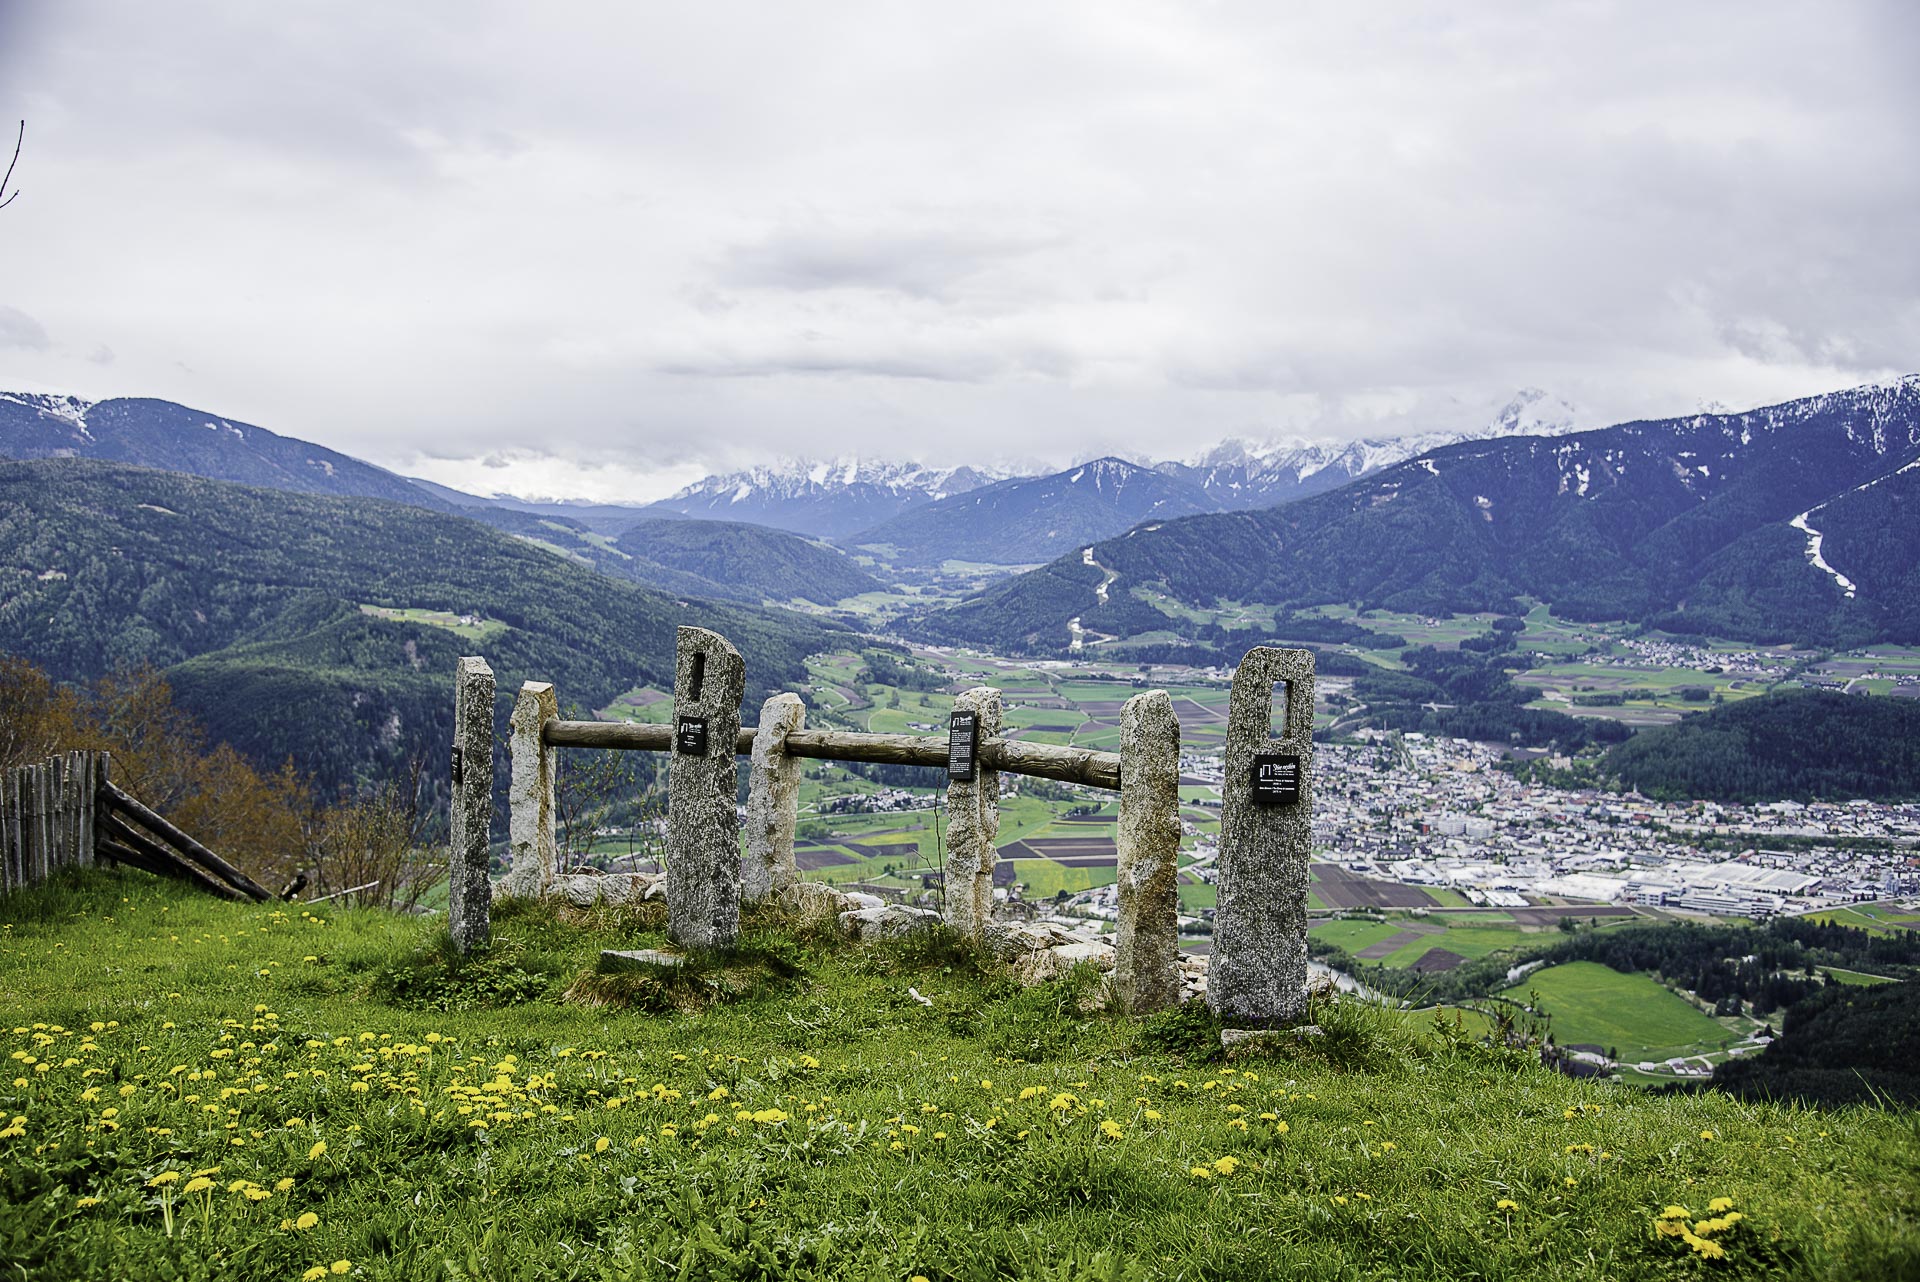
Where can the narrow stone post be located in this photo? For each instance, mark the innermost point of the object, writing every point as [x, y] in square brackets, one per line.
[973, 821]
[773, 801]
[703, 831]
[1258, 971]
[530, 801]
[469, 895]
[1146, 952]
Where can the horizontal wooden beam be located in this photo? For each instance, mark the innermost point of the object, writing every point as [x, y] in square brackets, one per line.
[1040, 760]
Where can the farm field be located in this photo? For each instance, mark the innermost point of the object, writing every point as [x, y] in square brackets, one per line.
[477, 630]
[1879, 918]
[1858, 977]
[384, 1112]
[1590, 1003]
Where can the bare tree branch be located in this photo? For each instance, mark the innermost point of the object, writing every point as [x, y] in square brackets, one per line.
[22, 137]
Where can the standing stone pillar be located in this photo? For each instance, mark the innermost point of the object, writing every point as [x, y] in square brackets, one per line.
[973, 821]
[703, 830]
[1146, 952]
[773, 801]
[530, 800]
[1258, 971]
[469, 895]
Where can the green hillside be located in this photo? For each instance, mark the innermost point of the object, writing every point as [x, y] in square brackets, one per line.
[1797, 744]
[252, 599]
[751, 562]
[349, 1100]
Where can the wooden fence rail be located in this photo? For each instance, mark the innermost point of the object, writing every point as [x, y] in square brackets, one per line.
[1042, 760]
[65, 812]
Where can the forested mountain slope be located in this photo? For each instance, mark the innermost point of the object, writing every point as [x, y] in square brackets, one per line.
[747, 562]
[1794, 522]
[254, 599]
[1799, 745]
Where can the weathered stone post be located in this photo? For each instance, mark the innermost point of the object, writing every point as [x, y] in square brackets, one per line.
[530, 799]
[773, 801]
[1146, 952]
[973, 820]
[703, 832]
[469, 895]
[1258, 971]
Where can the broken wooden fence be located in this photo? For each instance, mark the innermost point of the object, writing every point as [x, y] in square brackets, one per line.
[65, 812]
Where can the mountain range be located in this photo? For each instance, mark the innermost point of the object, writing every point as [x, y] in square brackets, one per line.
[820, 498]
[1026, 520]
[1791, 522]
[738, 562]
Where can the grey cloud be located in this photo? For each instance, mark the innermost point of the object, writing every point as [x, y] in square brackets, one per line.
[643, 236]
[925, 265]
[17, 329]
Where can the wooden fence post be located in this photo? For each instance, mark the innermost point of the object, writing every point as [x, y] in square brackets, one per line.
[9, 854]
[973, 821]
[530, 794]
[773, 801]
[470, 894]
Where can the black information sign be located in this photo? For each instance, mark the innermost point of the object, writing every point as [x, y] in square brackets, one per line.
[963, 746]
[1276, 779]
[690, 736]
[456, 763]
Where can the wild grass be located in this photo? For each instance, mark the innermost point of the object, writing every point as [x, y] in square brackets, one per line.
[794, 1111]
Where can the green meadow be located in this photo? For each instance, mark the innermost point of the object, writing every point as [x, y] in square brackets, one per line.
[205, 1090]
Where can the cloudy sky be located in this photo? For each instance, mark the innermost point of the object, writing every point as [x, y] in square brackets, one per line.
[613, 245]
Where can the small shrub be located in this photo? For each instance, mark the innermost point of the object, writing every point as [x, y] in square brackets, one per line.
[1190, 1030]
[437, 977]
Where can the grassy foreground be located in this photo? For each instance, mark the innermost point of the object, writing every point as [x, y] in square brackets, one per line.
[201, 1090]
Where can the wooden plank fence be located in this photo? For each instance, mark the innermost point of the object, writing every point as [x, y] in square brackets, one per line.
[65, 812]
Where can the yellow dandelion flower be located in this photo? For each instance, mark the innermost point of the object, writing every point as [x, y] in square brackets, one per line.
[1675, 1213]
[602, 1144]
[88, 1201]
[340, 1266]
[1227, 1165]
[1720, 1204]
[1706, 1135]
[163, 1179]
[306, 1221]
[314, 1274]
[1201, 1172]
[318, 1151]
[1506, 1204]
[282, 1184]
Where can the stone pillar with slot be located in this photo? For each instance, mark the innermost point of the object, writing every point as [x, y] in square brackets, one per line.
[530, 794]
[1146, 942]
[773, 801]
[703, 830]
[469, 894]
[973, 811]
[1258, 971]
